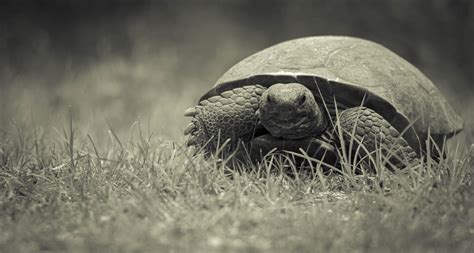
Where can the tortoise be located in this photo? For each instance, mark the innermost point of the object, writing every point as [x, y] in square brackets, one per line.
[297, 93]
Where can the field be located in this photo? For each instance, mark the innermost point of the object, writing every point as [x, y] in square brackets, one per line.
[148, 194]
[63, 190]
[92, 155]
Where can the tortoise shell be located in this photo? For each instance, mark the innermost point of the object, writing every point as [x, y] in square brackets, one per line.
[353, 71]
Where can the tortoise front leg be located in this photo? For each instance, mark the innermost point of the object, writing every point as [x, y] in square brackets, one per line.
[374, 133]
[230, 115]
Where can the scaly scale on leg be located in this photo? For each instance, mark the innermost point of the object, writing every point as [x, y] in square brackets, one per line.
[232, 115]
[371, 130]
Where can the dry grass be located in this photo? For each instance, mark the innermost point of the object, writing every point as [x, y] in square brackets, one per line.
[148, 194]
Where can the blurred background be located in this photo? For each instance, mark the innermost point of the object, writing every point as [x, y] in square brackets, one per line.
[126, 61]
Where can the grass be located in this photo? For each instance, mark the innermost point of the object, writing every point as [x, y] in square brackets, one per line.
[88, 188]
[149, 194]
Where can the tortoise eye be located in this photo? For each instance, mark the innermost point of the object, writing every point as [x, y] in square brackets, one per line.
[270, 99]
[301, 99]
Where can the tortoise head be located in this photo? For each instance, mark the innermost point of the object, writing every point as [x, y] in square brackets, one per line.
[290, 111]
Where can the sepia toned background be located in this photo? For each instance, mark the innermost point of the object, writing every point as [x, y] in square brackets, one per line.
[126, 61]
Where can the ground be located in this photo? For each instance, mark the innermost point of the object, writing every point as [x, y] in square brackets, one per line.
[151, 195]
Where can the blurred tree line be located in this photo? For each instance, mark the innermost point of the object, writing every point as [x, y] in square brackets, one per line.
[47, 43]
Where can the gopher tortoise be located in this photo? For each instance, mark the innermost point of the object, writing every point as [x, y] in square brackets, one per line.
[309, 92]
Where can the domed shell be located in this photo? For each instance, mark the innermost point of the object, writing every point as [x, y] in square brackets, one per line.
[352, 70]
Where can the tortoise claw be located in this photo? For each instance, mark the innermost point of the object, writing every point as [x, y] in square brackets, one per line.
[189, 129]
[191, 141]
[190, 112]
